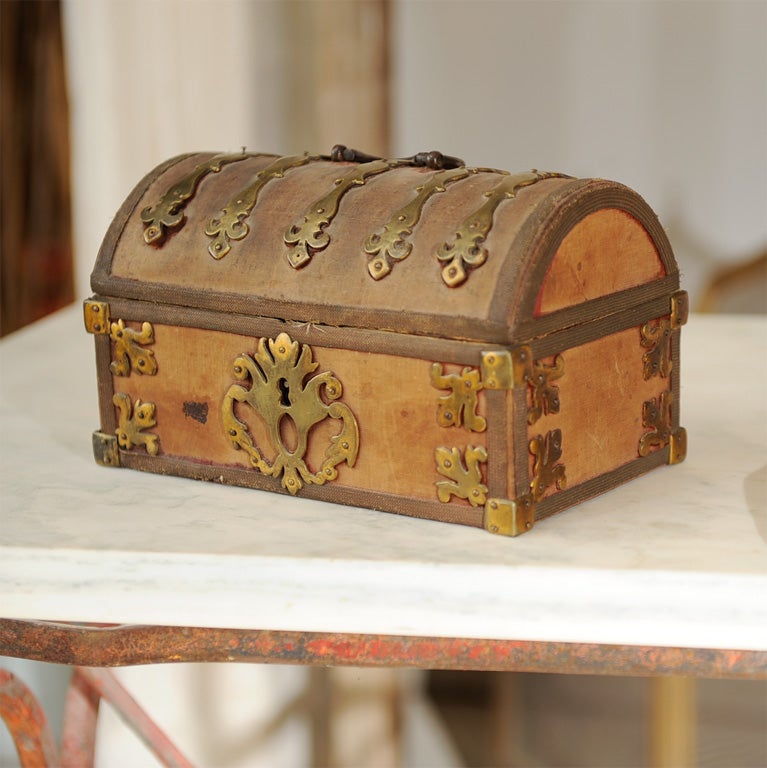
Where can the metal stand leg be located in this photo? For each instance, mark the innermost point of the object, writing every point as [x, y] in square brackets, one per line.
[26, 723]
[672, 722]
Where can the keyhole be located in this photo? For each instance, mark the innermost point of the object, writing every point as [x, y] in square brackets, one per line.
[284, 392]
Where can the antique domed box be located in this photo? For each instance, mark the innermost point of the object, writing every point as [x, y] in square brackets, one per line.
[412, 334]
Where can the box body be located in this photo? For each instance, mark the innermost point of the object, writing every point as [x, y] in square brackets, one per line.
[410, 335]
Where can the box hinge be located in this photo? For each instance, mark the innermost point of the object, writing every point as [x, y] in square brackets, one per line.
[105, 449]
[96, 315]
[509, 518]
[506, 369]
[680, 309]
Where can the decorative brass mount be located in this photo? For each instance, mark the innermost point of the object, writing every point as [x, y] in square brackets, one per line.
[391, 244]
[463, 472]
[128, 343]
[466, 252]
[129, 349]
[499, 370]
[547, 450]
[544, 394]
[656, 416]
[459, 407]
[134, 418]
[290, 407]
[308, 236]
[168, 213]
[656, 339]
[230, 223]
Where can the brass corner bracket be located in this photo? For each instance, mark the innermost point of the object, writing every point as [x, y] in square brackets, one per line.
[677, 450]
[105, 449]
[96, 316]
[509, 518]
[506, 369]
[680, 309]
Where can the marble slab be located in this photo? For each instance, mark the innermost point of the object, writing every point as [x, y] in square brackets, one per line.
[675, 558]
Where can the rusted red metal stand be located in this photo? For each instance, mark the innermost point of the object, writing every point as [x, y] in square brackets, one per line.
[26, 723]
[33, 739]
[122, 645]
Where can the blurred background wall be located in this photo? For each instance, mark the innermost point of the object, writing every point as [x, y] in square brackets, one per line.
[669, 97]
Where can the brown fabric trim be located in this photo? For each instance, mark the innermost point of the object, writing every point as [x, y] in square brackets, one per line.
[415, 323]
[521, 450]
[355, 497]
[571, 496]
[612, 308]
[105, 388]
[575, 336]
[497, 458]
[381, 342]
[676, 339]
[334, 337]
[103, 266]
[508, 288]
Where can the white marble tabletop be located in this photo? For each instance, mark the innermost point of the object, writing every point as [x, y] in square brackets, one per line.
[675, 558]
